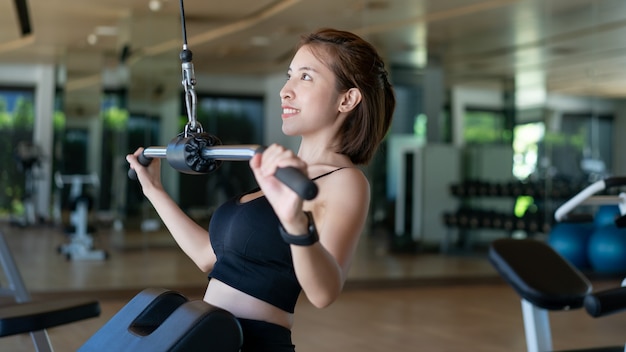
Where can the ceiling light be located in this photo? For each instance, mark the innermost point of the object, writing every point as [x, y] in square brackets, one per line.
[260, 40]
[155, 5]
[106, 30]
[92, 39]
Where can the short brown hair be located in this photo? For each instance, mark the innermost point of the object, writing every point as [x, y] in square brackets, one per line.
[357, 64]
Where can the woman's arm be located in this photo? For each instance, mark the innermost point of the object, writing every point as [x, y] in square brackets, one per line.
[191, 237]
[339, 212]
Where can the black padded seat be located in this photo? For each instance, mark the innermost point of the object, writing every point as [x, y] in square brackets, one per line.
[21, 318]
[539, 274]
[160, 320]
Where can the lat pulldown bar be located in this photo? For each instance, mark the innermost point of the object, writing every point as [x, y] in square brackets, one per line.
[201, 153]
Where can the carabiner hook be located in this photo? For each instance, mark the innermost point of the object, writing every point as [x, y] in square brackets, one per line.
[191, 99]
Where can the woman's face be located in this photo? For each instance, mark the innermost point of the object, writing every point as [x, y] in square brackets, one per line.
[309, 98]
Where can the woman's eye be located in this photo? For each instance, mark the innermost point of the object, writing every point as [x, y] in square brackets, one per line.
[306, 77]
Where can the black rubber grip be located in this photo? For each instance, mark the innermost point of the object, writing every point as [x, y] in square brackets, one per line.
[296, 180]
[606, 302]
[143, 160]
[614, 182]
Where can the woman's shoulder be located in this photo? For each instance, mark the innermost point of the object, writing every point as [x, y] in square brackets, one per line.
[343, 198]
[342, 181]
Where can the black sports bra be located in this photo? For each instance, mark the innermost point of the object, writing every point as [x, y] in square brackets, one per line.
[251, 255]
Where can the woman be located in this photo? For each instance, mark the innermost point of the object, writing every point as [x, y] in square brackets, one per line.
[266, 246]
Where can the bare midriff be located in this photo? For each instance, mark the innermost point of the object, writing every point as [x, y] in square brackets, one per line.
[244, 306]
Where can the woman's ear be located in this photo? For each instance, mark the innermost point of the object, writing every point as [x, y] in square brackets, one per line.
[350, 100]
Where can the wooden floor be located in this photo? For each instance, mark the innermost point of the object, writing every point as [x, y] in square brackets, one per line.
[407, 302]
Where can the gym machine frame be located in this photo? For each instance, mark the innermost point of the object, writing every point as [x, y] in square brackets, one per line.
[195, 152]
[32, 317]
[80, 246]
[549, 282]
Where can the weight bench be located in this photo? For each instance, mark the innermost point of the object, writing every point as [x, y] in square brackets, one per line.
[160, 320]
[545, 281]
[26, 316]
[30, 317]
[154, 320]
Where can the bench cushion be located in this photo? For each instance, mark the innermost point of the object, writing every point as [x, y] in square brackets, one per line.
[539, 274]
[33, 316]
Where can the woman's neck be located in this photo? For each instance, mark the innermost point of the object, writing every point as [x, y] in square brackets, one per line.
[315, 154]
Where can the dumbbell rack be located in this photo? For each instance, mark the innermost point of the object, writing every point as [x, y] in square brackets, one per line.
[469, 217]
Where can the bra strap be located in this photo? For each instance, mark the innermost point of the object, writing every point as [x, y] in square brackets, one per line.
[328, 173]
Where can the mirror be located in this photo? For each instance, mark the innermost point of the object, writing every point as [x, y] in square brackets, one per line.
[458, 99]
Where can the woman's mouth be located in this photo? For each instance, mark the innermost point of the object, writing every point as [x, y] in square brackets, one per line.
[288, 112]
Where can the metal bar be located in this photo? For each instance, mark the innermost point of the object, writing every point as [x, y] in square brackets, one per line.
[16, 283]
[40, 338]
[576, 200]
[536, 328]
[155, 152]
[219, 152]
[293, 178]
[232, 152]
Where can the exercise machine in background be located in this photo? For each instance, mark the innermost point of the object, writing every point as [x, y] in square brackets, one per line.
[80, 245]
[28, 157]
[25, 316]
[546, 281]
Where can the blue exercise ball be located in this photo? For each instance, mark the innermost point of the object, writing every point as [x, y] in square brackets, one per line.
[607, 250]
[570, 240]
[606, 215]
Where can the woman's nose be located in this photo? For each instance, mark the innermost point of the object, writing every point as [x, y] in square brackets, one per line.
[286, 92]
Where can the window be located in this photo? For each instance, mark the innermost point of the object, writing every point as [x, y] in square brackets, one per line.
[482, 126]
[19, 164]
[526, 148]
[581, 148]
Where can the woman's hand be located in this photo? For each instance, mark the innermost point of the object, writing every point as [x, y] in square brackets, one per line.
[286, 203]
[191, 237]
[149, 176]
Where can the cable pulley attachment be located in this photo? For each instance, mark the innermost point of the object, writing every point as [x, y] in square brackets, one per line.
[185, 153]
[191, 99]
[189, 80]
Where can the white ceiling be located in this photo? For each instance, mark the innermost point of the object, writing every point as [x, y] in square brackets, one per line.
[568, 46]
